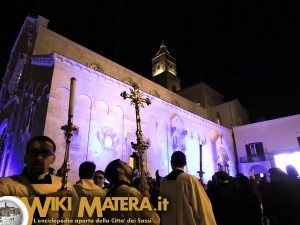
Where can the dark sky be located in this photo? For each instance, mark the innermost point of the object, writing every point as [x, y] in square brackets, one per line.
[244, 49]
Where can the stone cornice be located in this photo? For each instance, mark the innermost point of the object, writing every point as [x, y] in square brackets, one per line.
[43, 60]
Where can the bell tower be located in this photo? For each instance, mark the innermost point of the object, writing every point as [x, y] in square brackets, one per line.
[164, 70]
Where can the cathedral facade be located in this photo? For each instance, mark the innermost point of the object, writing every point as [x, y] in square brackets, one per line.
[35, 98]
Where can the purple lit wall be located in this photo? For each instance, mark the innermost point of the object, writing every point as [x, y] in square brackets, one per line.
[107, 125]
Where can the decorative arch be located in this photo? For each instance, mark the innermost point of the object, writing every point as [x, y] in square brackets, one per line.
[82, 120]
[258, 169]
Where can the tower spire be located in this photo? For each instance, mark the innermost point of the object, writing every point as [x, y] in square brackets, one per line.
[164, 71]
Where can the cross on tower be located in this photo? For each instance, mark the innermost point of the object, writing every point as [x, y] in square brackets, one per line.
[142, 144]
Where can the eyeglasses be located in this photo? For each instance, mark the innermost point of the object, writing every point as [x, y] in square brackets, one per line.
[35, 153]
[98, 177]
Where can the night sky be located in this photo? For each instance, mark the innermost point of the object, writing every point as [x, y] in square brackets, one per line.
[246, 50]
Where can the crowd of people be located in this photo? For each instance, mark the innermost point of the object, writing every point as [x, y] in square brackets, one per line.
[224, 200]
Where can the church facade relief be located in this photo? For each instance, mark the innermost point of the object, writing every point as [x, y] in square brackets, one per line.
[223, 160]
[107, 127]
[178, 133]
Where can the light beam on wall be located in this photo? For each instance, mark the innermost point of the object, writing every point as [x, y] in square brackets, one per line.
[282, 160]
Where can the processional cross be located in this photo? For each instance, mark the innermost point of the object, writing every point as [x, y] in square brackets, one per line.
[141, 145]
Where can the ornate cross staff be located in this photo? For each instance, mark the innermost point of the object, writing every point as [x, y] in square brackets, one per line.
[142, 144]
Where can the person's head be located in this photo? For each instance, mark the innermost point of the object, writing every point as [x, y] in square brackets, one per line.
[241, 182]
[239, 175]
[221, 177]
[87, 170]
[178, 159]
[277, 175]
[291, 171]
[40, 154]
[99, 178]
[118, 170]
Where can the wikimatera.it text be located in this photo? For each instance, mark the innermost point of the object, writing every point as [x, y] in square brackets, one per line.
[110, 203]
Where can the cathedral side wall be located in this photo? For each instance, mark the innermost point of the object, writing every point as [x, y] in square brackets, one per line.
[107, 125]
[240, 115]
[211, 96]
[231, 114]
[194, 94]
[203, 94]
